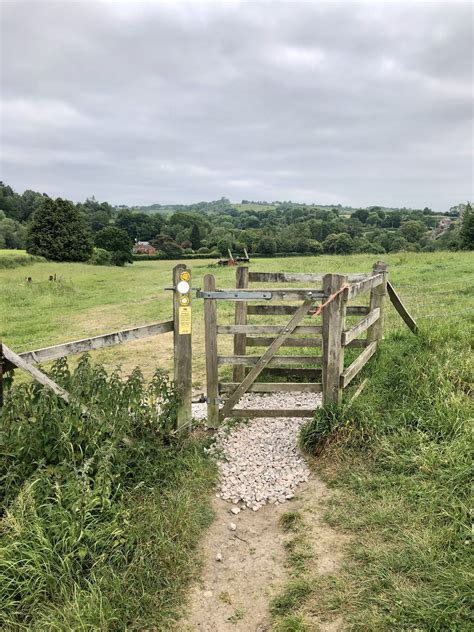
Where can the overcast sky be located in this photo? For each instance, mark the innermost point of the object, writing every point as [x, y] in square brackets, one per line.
[143, 102]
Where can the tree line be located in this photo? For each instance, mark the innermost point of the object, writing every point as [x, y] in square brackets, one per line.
[102, 234]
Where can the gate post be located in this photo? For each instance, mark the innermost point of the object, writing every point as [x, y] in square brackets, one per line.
[377, 299]
[334, 315]
[182, 343]
[210, 331]
[241, 282]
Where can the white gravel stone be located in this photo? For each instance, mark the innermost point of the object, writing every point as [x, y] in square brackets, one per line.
[219, 557]
[232, 526]
[259, 461]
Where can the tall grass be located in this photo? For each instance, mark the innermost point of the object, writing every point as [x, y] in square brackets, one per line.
[403, 455]
[101, 510]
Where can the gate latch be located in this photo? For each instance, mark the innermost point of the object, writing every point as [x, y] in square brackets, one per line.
[237, 295]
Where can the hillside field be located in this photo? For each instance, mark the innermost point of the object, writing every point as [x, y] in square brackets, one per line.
[90, 300]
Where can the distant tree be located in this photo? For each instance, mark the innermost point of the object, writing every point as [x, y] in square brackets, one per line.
[12, 233]
[59, 232]
[99, 220]
[340, 244]
[266, 246]
[413, 230]
[117, 242]
[167, 246]
[195, 237]
[466, 233]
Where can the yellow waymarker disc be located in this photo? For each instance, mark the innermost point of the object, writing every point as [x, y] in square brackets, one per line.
[185, 276]
[184, 300]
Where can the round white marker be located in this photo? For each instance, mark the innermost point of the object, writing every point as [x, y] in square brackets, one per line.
[183, 287]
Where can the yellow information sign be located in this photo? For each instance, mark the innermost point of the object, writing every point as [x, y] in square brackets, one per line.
[184, 319]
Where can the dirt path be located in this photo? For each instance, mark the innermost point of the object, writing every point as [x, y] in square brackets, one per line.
[234, 594]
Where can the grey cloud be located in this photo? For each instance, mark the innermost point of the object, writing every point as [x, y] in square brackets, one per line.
[147, 102]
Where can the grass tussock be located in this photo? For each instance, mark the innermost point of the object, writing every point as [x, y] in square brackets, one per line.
[403, 454]
[100, 511]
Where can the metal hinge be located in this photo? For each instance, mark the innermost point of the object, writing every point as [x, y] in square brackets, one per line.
[238, 295]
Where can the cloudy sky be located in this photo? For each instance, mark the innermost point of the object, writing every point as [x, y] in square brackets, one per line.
[330, 102]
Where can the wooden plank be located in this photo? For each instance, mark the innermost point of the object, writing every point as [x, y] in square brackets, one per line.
[352, 333]
[249, 360]
[273, 387]
[210, 336]
[182, 357]
[241, 282]
[364, 286]
[377, 299]
[266, 358]
[266, 329]
[97, 342]
[273, 310]
[260, 412]
[401, 309]
[298, 277]
[264, 341]
[349, 374]
[333, 325]
[35, 373]
[291, 373]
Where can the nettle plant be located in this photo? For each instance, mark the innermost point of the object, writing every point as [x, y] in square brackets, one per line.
[111, 422]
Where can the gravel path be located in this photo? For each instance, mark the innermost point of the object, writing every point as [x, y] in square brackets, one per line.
[259, 461]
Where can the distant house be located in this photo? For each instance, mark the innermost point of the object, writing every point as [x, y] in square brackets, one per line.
[443, 225]
[143, 248]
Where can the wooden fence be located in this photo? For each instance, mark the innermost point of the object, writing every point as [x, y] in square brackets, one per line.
[318, 371]
[324, 372]
[179, 324]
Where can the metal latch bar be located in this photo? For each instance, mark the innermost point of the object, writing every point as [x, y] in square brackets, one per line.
[237, 295]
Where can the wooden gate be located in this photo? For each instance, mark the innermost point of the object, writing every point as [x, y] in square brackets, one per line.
[303, 328]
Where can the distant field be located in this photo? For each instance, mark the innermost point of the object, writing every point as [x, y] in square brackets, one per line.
[90, 300]
[13, 253]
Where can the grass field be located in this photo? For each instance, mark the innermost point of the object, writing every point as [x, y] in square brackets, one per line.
[90, 300]
[398, 461]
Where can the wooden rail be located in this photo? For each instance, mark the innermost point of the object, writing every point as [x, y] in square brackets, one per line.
[352, 333]
[349, 374]
[47, 354]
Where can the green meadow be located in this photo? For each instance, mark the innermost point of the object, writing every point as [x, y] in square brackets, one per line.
[397, 460]
[90, 300]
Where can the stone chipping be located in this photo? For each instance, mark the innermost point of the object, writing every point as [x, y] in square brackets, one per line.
[259, 461]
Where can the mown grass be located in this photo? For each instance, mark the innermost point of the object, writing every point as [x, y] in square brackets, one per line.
[400, 462]
[100, 510]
